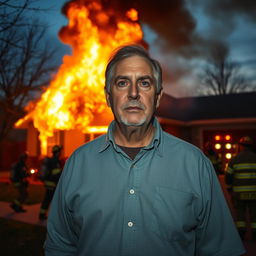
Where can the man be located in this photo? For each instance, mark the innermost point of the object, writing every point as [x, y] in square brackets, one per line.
[19, 174]
[50, 174]
[138, 190]
[241, 182]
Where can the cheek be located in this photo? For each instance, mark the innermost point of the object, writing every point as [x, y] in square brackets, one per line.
[150, 103]
[116, 103]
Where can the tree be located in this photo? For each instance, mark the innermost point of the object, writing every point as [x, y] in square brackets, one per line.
[11, 13]
[26, 61]
[221, 75]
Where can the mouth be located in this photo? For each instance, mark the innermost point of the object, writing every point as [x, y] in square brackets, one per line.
[133, 109]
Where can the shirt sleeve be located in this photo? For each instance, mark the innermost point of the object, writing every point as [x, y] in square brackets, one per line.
[216, 234]
[61, 238]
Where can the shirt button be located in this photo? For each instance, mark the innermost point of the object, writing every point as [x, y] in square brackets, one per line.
[131, 191]
[130, 224]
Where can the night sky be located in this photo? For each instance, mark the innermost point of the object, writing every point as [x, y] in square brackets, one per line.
[180, 34]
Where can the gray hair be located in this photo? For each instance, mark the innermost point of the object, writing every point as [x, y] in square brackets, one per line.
[129, 51]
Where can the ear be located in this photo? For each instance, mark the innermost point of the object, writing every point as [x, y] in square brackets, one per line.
[158, 98]
[107, 96]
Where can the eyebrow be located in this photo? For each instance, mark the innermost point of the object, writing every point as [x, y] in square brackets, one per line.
[120, 77]
[146, 77]
[140, 78]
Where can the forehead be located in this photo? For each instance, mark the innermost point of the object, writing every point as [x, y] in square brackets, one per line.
[134, 64]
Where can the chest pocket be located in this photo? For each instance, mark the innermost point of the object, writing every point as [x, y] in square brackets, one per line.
[173, 214]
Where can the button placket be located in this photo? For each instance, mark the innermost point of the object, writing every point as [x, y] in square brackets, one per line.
[131, 193]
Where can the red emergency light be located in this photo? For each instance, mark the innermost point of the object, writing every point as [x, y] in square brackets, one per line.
[227, 137]
[217, 137]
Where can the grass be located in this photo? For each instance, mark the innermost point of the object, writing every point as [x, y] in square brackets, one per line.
[21, 239]
[8, 193]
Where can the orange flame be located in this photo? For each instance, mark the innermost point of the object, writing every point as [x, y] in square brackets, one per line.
[76, 93]
[132, 14]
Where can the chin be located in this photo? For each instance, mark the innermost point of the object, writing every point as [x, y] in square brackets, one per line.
[135, 123]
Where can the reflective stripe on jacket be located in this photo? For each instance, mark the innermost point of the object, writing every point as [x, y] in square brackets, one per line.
[241, 175]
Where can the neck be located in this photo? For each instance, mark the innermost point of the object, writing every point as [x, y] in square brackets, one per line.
[133, 136]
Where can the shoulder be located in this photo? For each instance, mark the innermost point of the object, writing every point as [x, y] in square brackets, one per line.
[92, 146]
[178, 146]
[187, 158]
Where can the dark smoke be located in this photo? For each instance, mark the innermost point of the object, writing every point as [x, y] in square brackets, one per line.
[175, 25]
[168, 18]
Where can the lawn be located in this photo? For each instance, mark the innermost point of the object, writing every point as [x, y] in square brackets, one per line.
[21, 239]
[8, 193]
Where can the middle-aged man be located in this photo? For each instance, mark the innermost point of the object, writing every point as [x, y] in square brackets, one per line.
[138, 190]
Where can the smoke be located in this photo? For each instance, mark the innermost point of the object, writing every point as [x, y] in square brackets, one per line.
[176, 28]
[223, 16]
[229, 9]
[169, 19]
[173, 21]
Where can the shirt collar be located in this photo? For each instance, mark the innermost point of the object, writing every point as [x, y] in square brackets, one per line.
[155, 143]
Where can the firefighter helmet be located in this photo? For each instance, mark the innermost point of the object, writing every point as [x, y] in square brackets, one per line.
[246, 140]
[56, 148]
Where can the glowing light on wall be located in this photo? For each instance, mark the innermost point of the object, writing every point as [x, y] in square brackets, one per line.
[227, 137]
[228, 155]
[228, 146]
[217, 146]
[217, 137]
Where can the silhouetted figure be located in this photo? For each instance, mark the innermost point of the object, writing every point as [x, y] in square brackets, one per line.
[50, 174]
[19, 174]
[241, 181]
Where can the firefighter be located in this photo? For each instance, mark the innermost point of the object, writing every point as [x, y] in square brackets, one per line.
[18, 176]
[214, 158]
[51, 171]
[240, 178]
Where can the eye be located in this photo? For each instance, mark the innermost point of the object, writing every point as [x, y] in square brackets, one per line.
[122, 83]
[144, 83]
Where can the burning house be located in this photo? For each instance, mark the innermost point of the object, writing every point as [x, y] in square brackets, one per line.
[72, 109]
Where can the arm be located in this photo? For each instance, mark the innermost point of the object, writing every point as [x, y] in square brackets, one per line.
[61, 238]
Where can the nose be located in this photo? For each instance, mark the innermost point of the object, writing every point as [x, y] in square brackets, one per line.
[133, 92]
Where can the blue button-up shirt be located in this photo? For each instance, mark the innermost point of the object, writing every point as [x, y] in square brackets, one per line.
[167, 201]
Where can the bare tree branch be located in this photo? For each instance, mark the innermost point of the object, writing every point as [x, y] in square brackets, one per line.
[26, 62]
[221, 76]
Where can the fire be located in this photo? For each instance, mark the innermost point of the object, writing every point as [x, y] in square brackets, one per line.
[76, 93]
[132, 14]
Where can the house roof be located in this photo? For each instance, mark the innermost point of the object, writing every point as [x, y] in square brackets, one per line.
[242, 105]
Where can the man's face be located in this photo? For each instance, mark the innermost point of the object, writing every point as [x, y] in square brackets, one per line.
[132, 96]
